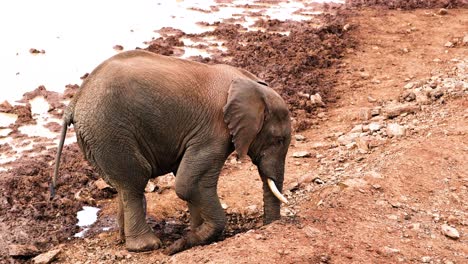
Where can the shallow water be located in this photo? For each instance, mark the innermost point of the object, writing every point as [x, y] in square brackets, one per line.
[86, 218]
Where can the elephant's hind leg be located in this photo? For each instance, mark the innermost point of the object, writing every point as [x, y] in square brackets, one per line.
[129, 173]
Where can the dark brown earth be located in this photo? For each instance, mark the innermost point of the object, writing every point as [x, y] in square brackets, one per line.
[375, 198]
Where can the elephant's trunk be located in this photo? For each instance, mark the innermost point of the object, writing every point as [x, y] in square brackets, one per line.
[272, 177]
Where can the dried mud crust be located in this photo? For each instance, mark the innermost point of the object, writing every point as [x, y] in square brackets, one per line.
[408, 4]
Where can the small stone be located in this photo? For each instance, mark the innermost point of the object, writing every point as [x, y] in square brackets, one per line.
[426, 259]
[405, 50]
[150, 187]
[409, 85]
[16, 250]
[449, 44]
[301, 154]
[395, 130]
[388, 251]
[364, 75]
[442, 11]
[224, 206]
[392, 217]
[465, 40]
[357, 129]
[374, 127]
[316, 99]
[118, 47]
[251, 210]
[321, 115]
[101, 184]
[450, 231]
[371, 99]
[365, 114]
[347, 139]
[376, 111]
[299, 137]
[346, 27]
[47, 257]
[408, 96]
[396, 110]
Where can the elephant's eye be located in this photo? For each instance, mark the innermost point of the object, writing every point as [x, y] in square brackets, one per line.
[279, 140]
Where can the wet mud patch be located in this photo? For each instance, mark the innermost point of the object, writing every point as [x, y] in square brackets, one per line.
[29, 217]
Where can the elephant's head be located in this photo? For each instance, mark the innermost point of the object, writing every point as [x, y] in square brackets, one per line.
[258, 119]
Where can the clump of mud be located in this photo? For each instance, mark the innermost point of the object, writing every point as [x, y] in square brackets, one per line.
[408, 4]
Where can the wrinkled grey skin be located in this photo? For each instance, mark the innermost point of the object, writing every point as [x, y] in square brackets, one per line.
[139, 115]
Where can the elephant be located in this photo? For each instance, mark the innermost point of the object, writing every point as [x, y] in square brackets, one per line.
[139, 115]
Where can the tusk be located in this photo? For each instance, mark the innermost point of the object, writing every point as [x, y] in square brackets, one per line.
[275, 191]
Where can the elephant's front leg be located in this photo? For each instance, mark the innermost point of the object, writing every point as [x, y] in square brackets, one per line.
[196, 183]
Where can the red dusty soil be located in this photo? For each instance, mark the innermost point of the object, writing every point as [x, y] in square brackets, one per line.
[359, 197]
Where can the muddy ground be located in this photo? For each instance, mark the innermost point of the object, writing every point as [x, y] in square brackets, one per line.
[379, 101]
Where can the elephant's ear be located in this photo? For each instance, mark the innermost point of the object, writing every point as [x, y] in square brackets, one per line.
[244, 113]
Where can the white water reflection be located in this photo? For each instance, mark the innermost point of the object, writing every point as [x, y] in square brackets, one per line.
[86, 218]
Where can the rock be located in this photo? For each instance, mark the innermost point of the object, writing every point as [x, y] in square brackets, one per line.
[118, 47]
[150, 187]
[16, 250]
[299, 137]
[442, 11]
[409, 85]
[301, 154]
[347, 139]
[363, 144]
[364, 75]
[374, 127]
[357, 129]
[346, 27]
[393, 111]
[395, 130]
[365, 114]
[408, 96]
[316, 99]
[426, 259]
[450, 231]
[465, 40]
[376, 111]
[449, 44]
[354, 183]
[47, 257]
[306, 178]
[102, 185]
[388, 251]
[371, 99]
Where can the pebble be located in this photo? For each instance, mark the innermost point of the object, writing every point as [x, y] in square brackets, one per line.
[365, 114]
[150, 187]
[102, 185]
[395, 130]
[390, 251]
[450, 231]
[396, 110]
[16, 250]
[409, 85]
[448, 44]
[374, 127]
[465, 40]
[301, 154]
[47, 257]
[299, 137]
[426, 259]
[442, 11]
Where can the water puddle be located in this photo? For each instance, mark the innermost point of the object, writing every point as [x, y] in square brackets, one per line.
[86, 218]
[7, 119]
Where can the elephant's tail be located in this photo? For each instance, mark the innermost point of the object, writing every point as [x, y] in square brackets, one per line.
[67, 120]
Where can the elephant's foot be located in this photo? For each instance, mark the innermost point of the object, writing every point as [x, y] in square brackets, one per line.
[190, 240]
[145, 242]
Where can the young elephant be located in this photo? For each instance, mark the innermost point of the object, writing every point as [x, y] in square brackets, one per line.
[139, 115]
